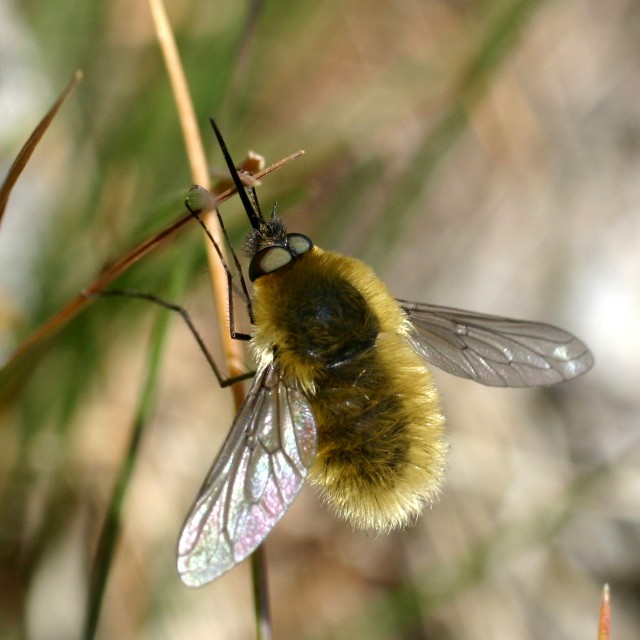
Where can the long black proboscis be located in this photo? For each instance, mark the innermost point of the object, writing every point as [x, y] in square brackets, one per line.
[246, 203]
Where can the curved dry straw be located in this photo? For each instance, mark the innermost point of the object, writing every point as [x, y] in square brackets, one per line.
[29, 146]
[79, 302]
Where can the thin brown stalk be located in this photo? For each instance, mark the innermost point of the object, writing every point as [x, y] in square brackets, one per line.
[261, 593]
[232, 349]
[604, 626]
[76, 304]
[29, 146]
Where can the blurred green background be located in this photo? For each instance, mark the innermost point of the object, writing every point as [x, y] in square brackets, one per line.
[479, 154]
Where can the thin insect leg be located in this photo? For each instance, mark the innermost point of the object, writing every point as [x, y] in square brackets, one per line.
[232, 324]
[222, 381]
[243, 282]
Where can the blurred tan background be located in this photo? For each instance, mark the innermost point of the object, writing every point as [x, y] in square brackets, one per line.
[483, 155]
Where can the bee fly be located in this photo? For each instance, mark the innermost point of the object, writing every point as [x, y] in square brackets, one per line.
[342, 394]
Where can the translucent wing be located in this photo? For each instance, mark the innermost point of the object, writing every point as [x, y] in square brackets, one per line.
[254, 479]
[495, 351]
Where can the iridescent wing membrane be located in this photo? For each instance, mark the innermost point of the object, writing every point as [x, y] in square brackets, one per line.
[255, 478]
[495, 351]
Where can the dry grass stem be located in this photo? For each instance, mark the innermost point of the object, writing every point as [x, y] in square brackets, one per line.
[29, 146]
[76, 304]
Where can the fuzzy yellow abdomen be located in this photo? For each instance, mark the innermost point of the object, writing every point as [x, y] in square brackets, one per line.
[333, 327]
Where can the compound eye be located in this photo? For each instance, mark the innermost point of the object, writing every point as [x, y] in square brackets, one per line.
[268, 260]
[299, 243]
